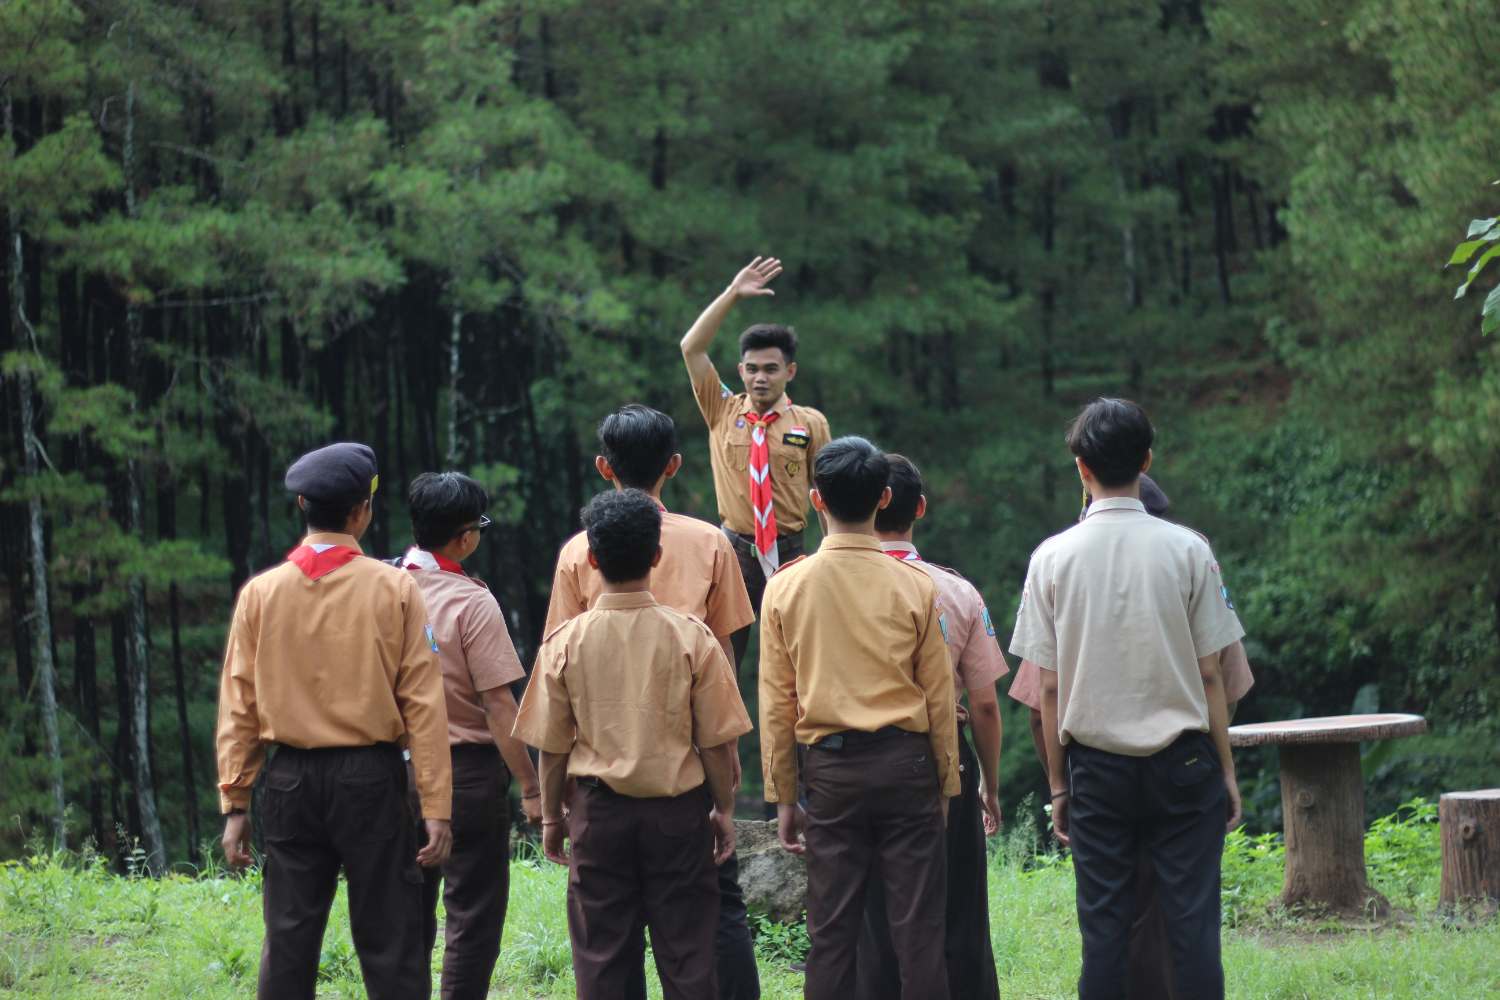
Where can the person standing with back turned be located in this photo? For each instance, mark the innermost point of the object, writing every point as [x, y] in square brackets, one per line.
[331, 661]
[854, 667]
[1126, 615]
[761, 445]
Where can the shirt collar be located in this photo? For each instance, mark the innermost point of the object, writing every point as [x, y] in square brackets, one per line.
[419, 558]
[1115, 503]
[332, 538]
[850, 541]
[620, 602]
[899, 547]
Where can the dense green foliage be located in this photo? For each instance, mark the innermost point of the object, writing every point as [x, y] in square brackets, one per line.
[463, 231]
[74, 930]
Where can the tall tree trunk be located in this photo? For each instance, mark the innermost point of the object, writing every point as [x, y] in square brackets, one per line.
[455, 339]
[166, 527]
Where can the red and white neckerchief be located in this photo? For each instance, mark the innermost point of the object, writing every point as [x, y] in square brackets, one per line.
[905, 555]
[760, 491]
[319, 560]
[416, 558]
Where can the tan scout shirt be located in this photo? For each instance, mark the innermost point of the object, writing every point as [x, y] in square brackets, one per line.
[1122, 605]
[474, 647]
[795, 438]
[698, 575]
[342, 661]
[967, 629]
[851, 639]
[631, 689]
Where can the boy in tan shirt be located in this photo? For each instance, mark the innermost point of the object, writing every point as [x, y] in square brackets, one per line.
[636, 702]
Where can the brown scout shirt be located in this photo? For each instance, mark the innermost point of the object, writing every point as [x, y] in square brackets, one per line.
[967, 629]
[795, 438]
[698, 575]
[474, 646]
[630, 689]
[345, 660]
[851, 639]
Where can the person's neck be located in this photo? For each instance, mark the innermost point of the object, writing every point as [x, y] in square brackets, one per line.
[837, 527]
[449, 552]
[1132, 490]
[763, 409]
[895, 536]
[654, 492]
[628, 586]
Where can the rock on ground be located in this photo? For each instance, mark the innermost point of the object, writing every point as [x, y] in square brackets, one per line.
[774, 882]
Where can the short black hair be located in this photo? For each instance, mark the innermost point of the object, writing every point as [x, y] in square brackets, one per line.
[624, 531]
[1113, 437]
[638, 442]
[770, 335]
[330, 515]
[906, 491]
[442, 504]
[851, 474]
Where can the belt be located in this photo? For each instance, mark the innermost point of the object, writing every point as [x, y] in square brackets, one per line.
[749, 540]
[851, 739]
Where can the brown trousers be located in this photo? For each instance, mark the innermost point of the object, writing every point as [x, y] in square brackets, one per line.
[326, 810]
[641, 861]
[873, 814]
[475, 880]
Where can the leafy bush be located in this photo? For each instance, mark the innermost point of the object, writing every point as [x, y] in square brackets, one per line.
[779, 944]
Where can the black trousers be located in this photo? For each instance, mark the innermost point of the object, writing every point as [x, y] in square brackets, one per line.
[475, 880]
[734, 947]
[873, 815]
[967, 950]
[323, 811]
[1172, 806]
[638, 861]
[788, 547]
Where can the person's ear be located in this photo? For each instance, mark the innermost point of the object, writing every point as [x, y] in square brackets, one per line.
[302, 503]
[673, 465]
[601, 464]
[1085, 474]
[921, 506]
[791, 370]
[593, 559]
[817, 500]
[1149, 455]
[740, 367]
[656, 559]
[885, 499]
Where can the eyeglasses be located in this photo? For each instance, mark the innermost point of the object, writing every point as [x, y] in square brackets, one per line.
[479, 526]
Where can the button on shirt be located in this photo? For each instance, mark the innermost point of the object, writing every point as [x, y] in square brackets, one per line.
[345, 660]
[850, 639]
[795, 437]
[1122, 605]
[474, 646]
[629, 689]
[698, 575]
[972, 646]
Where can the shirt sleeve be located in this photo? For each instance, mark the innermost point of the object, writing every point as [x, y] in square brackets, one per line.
[820, 435]
[1035, 637]
[1026, 686]
[237, 736]
[1235, 666]
[977, 655]
[934, 675]
[1210, 611]
[567, 601]
[718, 713]
[419, 698]
[545, 719]
[713, 396]
[778, 706]
[490, 654]
[728, 601]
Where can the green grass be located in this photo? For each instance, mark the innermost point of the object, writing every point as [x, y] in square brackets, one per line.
[70, 929]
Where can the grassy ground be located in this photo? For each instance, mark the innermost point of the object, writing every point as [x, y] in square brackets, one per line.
[70, 930]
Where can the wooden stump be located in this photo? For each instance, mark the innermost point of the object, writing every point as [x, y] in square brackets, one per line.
[1323, 805]
[1471, 849]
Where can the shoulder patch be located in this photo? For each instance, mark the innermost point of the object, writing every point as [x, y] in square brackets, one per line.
[943, 624]
[724, 392]
[432, 639]
[984, 616]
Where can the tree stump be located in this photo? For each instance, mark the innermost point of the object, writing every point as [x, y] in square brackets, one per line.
[1323, 808]
[1470, 823]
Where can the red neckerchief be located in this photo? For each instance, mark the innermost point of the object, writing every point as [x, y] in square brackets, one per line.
[760, 487]
[909, 555]
[317, 564]
[443, 563]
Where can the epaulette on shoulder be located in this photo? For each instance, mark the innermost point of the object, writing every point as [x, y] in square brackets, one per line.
[947, 569]
[790, 563]
[559, 628]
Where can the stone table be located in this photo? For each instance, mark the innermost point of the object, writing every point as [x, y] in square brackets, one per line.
[1323, 803]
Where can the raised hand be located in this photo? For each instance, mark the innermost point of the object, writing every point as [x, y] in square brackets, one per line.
[754, 277]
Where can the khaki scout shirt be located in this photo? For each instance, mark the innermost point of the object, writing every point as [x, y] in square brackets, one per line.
[629, 690]
[1026, 686]
[1122, 605]
[851, 639]
[345, 660]
[474, 646]
[698, 575]
[795, 438]
[968, 631]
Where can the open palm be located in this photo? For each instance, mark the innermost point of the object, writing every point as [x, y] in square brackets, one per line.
[755, 276]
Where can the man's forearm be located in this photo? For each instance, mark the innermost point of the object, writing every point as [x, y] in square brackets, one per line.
[500, 716]
[1038, 741]
[1218, 709]
[554, 781]
[700, 335]
[718, 772]
[984, 720]
[1057, 771]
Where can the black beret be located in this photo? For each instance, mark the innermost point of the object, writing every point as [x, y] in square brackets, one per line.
[344, 471]
[1152, 497]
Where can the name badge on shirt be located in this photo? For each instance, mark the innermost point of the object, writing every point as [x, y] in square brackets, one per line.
[798, 437]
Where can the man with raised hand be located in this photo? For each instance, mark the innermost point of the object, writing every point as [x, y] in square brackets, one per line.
[761, 444]
[1127, 617]
[854, 668]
